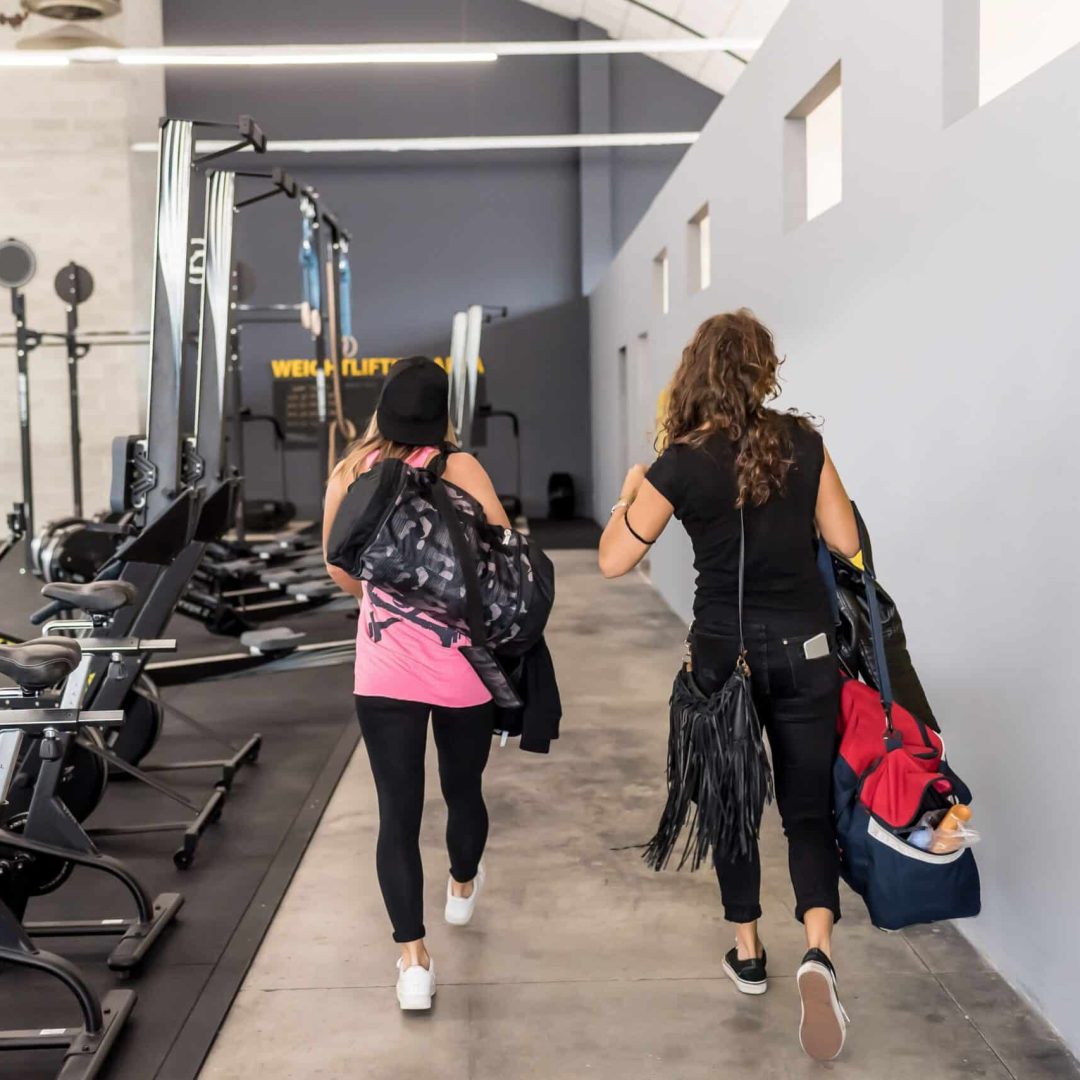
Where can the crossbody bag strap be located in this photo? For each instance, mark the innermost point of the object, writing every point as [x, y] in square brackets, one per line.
[474, 606]
[877, 631]
[742, 577]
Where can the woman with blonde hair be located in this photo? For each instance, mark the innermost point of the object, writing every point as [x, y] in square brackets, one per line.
[731, 460]
[409, 665]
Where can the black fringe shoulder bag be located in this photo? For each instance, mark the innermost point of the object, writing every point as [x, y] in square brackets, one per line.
[718, 773]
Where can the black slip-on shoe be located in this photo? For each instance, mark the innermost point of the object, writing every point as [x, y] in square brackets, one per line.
[747, 975]
[823, 1026]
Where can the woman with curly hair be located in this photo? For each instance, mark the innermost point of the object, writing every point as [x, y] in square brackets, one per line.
[729, 456]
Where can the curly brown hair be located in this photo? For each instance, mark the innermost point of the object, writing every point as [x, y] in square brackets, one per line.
[727, 373]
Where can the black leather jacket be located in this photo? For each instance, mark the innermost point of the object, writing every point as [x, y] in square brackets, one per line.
[855, 643]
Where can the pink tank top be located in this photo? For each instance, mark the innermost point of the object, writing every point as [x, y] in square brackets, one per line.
[404, 654]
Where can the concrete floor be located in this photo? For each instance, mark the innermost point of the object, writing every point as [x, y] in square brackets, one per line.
[580, 962]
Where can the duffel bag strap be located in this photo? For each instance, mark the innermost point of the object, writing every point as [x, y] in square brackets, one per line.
[877, 631]
[474, 606]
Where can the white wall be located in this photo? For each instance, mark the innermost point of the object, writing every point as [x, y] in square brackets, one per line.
[932, 318]
[70, 188]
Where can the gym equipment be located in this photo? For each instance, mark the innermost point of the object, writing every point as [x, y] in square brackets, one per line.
[159, 477]
[45, 843]
[203, 477]
[263, 515]
[473, 325]
[562, 498]
[86, 1047]
[338, 273]
[236, 586]
[457, 371]
[17, 268]
[512, 503]
[468, 413]
[74, 285]
[464, 372]
[69, 548]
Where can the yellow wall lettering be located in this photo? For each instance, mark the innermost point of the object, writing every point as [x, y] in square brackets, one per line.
[366, 367]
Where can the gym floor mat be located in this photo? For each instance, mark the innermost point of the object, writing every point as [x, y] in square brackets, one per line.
[242, 869]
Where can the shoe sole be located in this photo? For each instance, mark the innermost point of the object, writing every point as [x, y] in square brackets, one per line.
[415, 1002]
[744, 987]
[821, 1029]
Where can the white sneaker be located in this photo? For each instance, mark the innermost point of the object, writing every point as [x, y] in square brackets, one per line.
[459, 909]
[415, 985]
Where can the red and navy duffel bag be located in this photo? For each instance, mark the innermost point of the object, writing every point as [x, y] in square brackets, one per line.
[891, 770]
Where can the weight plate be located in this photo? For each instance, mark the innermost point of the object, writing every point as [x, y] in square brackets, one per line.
[74, 284]
[17, 263]
[43, 873]
[142, 724]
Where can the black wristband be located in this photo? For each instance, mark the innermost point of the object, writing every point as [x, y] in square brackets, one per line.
[633, 532]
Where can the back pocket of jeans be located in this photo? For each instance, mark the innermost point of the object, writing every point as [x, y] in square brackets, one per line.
[805, 674]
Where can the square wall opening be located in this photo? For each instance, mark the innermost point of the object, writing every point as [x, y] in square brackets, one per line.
[813, 151]
[991, 45]
[1017, 37]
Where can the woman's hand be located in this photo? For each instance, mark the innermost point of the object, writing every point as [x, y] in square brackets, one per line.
[632, 483]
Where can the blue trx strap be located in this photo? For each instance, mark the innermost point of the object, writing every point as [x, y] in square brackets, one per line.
[344, 300]
[309, 268]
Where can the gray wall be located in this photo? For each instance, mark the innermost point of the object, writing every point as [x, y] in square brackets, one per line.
[434, 233]
[931, 317]
[642, 100]
[538, 367]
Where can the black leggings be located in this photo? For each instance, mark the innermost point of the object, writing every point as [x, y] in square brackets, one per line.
[798, 701]
[395, 734]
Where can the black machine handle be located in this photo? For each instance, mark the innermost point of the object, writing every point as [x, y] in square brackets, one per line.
[249, 132]
[249, 417]
[49, 611]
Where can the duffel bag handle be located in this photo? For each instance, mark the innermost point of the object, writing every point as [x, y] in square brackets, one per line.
[877, 630]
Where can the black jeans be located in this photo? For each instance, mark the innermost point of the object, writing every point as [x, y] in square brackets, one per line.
[395, 734]
[798, 701]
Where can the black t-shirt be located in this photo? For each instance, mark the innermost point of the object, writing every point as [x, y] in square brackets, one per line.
[782, 576]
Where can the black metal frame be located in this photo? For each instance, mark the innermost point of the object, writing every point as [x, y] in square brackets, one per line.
[50, 831]
[87, 1047]
[21, 520]
[76, 351]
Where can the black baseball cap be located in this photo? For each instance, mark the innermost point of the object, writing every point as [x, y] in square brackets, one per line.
[414, 406]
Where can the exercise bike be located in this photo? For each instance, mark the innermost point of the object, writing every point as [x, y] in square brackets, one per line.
[87, 1046]
[43, 844]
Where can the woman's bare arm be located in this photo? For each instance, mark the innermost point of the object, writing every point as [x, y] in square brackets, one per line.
[467, 473]
[335, 492]
[834, 515]
[648, 515]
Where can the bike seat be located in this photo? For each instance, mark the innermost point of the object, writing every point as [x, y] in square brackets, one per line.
[41, 662]
[97, 597]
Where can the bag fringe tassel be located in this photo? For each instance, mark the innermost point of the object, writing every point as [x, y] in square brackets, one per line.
[718, 775]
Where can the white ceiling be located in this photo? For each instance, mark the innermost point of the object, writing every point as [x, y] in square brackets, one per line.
[625, 19]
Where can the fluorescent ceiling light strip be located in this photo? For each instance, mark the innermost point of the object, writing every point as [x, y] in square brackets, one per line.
[457, 143]
[422, 53]
[46, 58]
[268, 57]
[603, 46]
